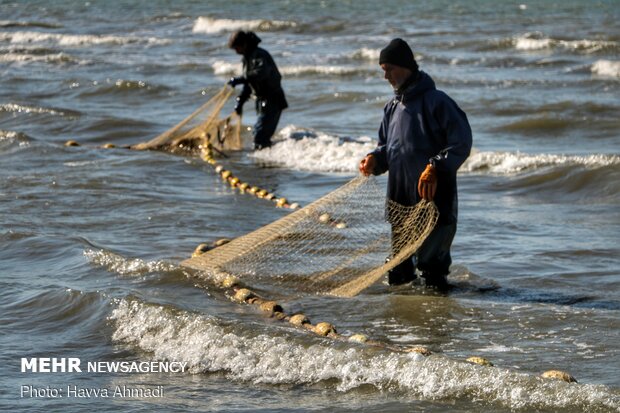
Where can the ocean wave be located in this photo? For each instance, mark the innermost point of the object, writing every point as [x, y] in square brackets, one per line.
[311, 150]
[212, 25]
[536, 41]
[172, 16]
[9, 139]
[366, 54]
[305, 149]
[540, 124]
[122, 86]
[606, 68]
[568, 185]
[25, 109]
[44, 25]
[251, 355]
[127, 266]
[53, 308]
[548, 124]
[333, 70]
[223, 68]
[589, 109]
[509, 163]
[553, 178]
[74, 40]
[12, 136]
[54, 58]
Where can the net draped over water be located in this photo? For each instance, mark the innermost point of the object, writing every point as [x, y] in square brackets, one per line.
[202, 128]
[336, 245]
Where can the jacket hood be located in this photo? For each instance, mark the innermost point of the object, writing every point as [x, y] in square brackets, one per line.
[420, 86]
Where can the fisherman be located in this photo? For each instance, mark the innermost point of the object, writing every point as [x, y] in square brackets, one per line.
[260, 75]
[423, 140]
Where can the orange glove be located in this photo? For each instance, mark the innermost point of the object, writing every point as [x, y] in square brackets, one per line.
[427, 185]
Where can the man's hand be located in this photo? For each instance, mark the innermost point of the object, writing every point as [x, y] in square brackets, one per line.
[234, 81]
[239, 108]
[427, 185]
[239, 105]
[367, 165]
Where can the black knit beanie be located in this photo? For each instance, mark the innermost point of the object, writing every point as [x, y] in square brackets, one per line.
[240, 38]
[398, 53]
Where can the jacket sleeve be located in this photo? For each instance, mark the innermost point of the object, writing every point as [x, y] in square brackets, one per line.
[458, 136]
[380, 152]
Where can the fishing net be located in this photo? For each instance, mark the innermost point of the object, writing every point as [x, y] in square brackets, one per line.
[336, 245]
[205, 127]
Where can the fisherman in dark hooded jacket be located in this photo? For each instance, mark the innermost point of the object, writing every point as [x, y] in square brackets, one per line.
[261, 75]
[423, 139]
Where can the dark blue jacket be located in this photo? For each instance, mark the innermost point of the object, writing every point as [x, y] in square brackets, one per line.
[419, 126]
[263, 77]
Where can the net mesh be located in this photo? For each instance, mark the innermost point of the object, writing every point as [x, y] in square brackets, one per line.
[203, 128]
[336, 245]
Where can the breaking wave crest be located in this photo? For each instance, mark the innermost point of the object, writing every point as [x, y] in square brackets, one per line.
[12, 140]
[127, 266]
[209, 346]
[212, 25]
[309, 150]
[606, 68]
[13, 136]
[74, 40]
[553, 178]
[508, 163]
[223, 68]
[25, 56]
[366, 54]
[537, 41]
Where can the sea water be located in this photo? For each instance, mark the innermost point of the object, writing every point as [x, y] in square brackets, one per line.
[91, 239]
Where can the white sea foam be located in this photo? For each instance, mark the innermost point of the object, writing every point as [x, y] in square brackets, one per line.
[536, 41]
[505, 163]
[607, 68]
[587, 45]
[305, 149]
[338, 70]
[309, 150]
[277, 357]
[9, 138]
[8, 135]
[28, 37]
[224, 68]
[8, 57]
[525, 43]
[126, 266]
[366, 54]
[212, 25]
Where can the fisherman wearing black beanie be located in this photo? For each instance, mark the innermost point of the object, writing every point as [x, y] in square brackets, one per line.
[261, 76]
[400, 67]
[399, 53]
[423, 140]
